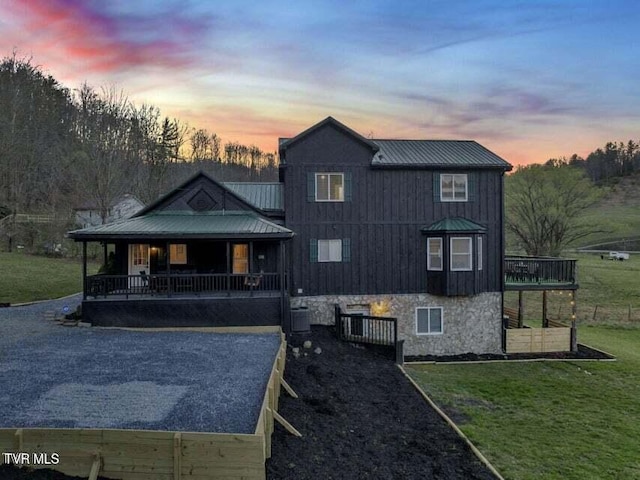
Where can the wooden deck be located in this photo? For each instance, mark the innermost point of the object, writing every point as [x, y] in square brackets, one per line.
[539, 273]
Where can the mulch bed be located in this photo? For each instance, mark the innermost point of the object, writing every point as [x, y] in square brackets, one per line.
[360, 418]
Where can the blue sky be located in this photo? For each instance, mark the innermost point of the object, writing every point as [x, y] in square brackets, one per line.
[529, 80]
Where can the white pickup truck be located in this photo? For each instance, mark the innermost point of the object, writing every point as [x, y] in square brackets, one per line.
[618, 256]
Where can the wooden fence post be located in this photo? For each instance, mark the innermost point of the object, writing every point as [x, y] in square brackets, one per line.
[338, 321]
[400, 352]
[520, 309]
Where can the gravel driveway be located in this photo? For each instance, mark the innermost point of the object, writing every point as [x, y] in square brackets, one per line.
[63, 377]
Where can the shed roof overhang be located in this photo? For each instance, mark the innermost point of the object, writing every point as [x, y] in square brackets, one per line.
[185, 225]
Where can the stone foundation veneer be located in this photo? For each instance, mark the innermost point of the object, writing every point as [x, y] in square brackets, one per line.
[470, 324]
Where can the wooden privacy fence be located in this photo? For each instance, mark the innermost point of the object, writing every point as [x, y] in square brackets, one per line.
[538, 340]
[157, 455]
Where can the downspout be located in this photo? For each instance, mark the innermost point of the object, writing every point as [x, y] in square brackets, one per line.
[84, 269]
[285, 314]
[501, 268]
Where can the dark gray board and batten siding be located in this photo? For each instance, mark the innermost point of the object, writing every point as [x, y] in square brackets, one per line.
[383, 220]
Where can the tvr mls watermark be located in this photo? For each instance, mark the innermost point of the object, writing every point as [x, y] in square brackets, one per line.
[31, 458]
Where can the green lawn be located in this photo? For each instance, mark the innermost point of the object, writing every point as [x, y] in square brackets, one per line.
[550, 420]
[28, 277]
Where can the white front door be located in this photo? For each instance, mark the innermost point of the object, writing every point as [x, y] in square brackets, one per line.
[138, 263]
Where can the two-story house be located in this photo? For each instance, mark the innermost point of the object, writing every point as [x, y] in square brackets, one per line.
[411, 229]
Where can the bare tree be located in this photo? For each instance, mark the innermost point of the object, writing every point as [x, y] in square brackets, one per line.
[544, 207]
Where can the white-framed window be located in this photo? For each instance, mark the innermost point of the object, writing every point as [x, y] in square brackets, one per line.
[330, 250]
[429, 321]
[454, 187]
[329, 187]
[460, 251]
[434, 253]
[479, 247]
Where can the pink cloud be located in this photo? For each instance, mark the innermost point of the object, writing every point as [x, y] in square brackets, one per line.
[103, 42]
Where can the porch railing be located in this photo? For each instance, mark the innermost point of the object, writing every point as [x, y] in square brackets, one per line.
[542, 270]
[170, 284]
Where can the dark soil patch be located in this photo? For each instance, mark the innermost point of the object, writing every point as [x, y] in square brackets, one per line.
[8, 472]
[360, 418]
[584, 353]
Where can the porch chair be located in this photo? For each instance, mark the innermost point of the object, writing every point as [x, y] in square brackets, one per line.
[145, 280]
[252, 280]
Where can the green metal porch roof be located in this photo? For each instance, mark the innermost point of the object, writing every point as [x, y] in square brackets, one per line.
[187, 225]
[454, 224]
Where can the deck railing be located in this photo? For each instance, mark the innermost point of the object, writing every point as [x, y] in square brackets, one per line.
[368, 329]
[539, 270]
[170, 284]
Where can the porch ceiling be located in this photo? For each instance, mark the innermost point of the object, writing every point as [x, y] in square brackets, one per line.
[186, 225]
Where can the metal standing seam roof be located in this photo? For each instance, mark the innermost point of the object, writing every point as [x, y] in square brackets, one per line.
[187, 224]
[454, 224]
[265, 196]
[436, 153]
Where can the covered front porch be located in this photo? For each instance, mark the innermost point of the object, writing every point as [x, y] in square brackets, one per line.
[190, 268]
[187, 269]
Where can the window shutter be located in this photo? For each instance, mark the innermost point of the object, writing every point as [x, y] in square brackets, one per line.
[347, 186]
[472, 187]
[346, 249]
[313, 250]
[436, 187]
[311, 187]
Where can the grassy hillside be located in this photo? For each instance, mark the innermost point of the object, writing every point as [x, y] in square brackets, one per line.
[618, 213]
[616, 216]
[26, 278]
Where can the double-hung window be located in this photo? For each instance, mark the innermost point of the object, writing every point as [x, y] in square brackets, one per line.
[329, 187]
[460, 251]
[454, 187]
[434, 254]
[330, 250]
[429, 320]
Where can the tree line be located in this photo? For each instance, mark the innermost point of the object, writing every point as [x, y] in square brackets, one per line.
[62, 148]
[616, 159]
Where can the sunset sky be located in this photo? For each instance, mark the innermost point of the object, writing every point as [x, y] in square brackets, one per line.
[530, 80]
